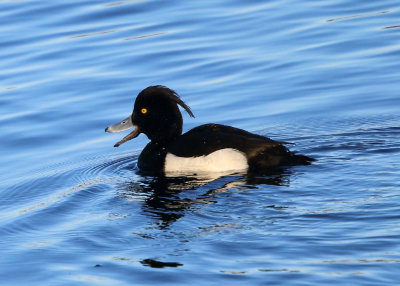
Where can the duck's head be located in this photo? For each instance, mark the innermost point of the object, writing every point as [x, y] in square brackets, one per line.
[155, 114]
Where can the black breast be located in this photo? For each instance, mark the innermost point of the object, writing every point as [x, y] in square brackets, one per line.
[152, 158]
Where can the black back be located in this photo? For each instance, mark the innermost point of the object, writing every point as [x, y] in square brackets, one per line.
[205, 139]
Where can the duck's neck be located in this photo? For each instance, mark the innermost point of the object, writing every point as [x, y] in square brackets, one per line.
[165, 135]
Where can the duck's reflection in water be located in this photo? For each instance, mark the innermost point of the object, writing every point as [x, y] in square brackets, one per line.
[168, 198]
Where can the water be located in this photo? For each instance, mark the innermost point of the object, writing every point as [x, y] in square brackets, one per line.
[323, 74]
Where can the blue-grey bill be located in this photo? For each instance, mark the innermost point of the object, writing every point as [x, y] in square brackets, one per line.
[122, 126]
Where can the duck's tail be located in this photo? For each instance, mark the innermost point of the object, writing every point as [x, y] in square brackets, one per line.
[301, 160]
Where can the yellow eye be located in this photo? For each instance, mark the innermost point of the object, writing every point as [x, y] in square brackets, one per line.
[143, 111]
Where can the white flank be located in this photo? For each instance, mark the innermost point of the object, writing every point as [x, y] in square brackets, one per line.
[219, 161]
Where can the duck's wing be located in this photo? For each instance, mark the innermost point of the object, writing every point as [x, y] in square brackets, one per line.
[205, 139]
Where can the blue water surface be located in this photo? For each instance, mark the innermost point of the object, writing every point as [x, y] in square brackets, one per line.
[322, 74]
